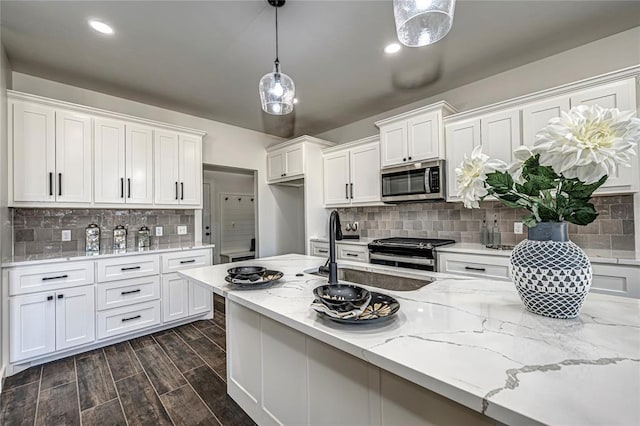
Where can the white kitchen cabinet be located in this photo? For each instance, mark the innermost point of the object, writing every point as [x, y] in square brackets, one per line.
[139, 165]
[109, 161]
[118, 321]
[175, 297]
[353, 252]
[617, 280]
[500, 134]
[34, 152]
[200, 299]
[286, 163]
[462, 138]
[74, 159]
[475, 265]
[352, 173]
[414, 136]
[116, 294]
[178, 169]
[49, 277]
[319, 249]
[537, 115]
[45, 322]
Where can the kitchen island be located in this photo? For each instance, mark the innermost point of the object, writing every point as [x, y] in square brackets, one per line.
[458, 351]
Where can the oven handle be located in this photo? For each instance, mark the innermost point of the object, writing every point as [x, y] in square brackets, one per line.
[404, 259]
[427, 180]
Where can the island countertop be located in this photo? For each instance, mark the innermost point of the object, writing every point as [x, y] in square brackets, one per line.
[473, 342]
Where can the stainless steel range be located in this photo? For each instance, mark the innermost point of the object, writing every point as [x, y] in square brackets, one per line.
[414, 253]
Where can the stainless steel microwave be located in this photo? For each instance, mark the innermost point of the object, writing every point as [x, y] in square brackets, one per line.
[422, 181]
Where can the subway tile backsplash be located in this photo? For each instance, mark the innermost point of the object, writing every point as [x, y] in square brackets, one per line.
[38, 231]
[612, 230]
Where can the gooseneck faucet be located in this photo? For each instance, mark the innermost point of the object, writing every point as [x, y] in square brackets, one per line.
[334, 231]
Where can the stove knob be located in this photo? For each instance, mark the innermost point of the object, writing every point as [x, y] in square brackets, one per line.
[429, 246]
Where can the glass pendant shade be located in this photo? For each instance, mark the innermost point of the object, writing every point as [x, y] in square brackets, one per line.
[422, 22]
[277, 92]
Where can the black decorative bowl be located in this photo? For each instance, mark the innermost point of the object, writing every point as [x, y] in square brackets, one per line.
[251, 273]
[342, 297]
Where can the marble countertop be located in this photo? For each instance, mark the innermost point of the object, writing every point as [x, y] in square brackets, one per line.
[362, 241]
[473, 341]
[616, 257]
[37, 259]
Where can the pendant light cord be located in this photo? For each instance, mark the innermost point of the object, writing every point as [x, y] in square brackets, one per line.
[277, 60]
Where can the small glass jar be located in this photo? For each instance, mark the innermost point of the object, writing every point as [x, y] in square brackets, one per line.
[92, 238]
[120, 238]
[143, 238]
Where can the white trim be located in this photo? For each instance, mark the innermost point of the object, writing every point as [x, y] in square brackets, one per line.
[28, 97]
[2, 371]
[363, 141]
[304, 138]
[442, 106]
[625, 73]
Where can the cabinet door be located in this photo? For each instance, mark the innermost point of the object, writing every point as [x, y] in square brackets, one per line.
[200, 299]
[537, 115]
[109, 161]
[365, 173]
[166, 173]
[294, 160]
[75, 317]
[175, 297]
[336, 178]
[190, 170]
[34, 161]
[423, 137]
[32, 325]
[621, 95]
[74, 160]
[275, 165]
[500, 134]
[139, 171]
[461, 138]
[393, 144]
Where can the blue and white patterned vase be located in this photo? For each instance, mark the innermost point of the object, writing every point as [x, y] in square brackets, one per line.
[552, 274]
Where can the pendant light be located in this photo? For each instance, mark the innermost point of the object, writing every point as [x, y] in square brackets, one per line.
[276, 88]
[422, 22]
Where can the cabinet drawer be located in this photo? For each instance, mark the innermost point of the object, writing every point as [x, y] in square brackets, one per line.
[173, 262]
[127, 319]
[128, 292]
[353, 252]
[50, 277]
[496, 267]
[319, 249]
[617, 280]
[128, 267]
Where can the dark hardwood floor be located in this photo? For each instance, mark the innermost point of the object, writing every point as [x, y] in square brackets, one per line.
[173, 377]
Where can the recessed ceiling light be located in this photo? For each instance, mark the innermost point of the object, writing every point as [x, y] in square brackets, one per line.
[100, 26]
[392, 48]
[295, 100]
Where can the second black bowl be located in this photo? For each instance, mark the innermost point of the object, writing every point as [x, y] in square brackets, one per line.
[342, 297]
[246, 272]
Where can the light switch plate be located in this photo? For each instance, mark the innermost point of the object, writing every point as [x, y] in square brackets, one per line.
[517, 228]
[66, 235]
[182, 230]
[158, 231]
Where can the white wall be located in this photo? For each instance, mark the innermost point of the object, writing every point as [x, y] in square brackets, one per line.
[599, 57]
[221, 181]
[224, 145]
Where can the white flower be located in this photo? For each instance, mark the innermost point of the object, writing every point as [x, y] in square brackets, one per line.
[588, 142]
[471, 175]
[521, 155]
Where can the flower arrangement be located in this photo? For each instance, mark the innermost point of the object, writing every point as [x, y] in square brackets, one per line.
[554, 180]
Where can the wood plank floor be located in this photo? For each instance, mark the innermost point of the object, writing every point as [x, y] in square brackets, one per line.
[173, 377]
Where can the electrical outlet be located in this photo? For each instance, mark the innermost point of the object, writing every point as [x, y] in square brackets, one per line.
[66, 235]
[182, 229]
[517, 228]
[158, 231]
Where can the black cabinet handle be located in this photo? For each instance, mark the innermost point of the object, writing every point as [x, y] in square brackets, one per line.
[323, 251]
[404, 159]
[132, 268]
[128, 187]
[49, 298]
[50, 184]
[352, 254]
[182, 190]
[188, 261]
[55, 278]
[351, 191]
[471, 268]
[130, 292]
[121, 187]
[60, 296]
[59, 183]
[409, 158]
[131, 318]
[176, 190]
[346, 191]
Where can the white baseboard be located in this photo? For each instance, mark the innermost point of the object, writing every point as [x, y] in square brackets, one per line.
[1, 377]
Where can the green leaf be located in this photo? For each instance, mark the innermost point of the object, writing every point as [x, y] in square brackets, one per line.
[530, 221]
[583, 216]
[500, 182]
[576, 189]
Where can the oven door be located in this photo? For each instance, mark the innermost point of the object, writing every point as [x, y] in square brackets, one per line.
[415, 182]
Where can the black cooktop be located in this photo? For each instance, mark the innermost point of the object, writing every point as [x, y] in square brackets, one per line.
[413, 242]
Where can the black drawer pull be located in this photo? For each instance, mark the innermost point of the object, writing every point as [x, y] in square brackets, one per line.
[49, 297]
[187, 261]
[59, 277]
[132, 268]
[131, 318]
[323, 251]
[50, 184]
[352, 254]
[60, 296]
[130, 292]
[471, 268]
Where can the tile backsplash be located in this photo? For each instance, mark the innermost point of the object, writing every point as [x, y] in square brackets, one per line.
[613, 229]
[38, 231]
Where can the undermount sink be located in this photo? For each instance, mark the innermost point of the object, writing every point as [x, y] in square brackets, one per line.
[376, 279]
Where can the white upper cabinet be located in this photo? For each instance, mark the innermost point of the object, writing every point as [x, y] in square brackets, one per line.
[34, 152]
[74, 158]
[286, 163]
[190, 152]
[621, 95]
[414, 136]
[352, 173]
[294, 160]
[139, 164]
[109, 161]
[500, 134]
[275, 165]
[462, 137]
[178, 169]
[537, 115]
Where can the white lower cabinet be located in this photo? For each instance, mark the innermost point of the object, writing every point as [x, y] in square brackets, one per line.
[617, 280]
[200, 299]
[279, 375]
[355, 252]
[46, 322]
[114, 322]
[175, 297]
[320, 249]
[474, 265]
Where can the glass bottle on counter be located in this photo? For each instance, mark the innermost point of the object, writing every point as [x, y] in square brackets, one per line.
[120, 239]
[484, 233]
[497, 238]
[92, 239]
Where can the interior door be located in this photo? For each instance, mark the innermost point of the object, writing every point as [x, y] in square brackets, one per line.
[109, 161]
[365, 173]
[190, 170]
[336, 178]
[166, 174]
[74, 159]
[139, 182]
[75, 317]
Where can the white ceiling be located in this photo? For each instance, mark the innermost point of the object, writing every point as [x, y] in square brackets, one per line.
[206, 57]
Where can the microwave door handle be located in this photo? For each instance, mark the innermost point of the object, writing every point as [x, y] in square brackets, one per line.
[427, 180]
